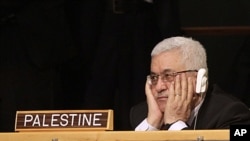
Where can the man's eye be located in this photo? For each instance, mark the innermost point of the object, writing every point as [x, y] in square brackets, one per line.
[154, 78]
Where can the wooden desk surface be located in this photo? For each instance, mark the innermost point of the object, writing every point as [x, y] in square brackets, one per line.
[186, 135]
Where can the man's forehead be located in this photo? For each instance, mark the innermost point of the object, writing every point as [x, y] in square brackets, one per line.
[167, 70]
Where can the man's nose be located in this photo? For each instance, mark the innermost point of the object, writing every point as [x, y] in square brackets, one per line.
[161, 85]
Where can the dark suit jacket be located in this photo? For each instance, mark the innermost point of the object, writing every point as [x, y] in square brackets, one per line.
[219, 111]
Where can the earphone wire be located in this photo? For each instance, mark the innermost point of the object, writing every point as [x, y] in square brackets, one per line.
[195, 120]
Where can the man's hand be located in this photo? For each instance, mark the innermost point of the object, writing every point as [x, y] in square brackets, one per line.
[179, 103]
[154, 114]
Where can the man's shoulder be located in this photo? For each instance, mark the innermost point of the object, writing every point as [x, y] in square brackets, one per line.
[218, 99]
[218, 94]
[221, 109]
[138, 113]
[141, 105]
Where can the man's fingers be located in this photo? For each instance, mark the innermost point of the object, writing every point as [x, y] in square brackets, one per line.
[184, 86]
[177, 87]
[190, 89]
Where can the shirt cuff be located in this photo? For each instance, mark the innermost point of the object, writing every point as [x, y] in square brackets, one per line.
[179, 125]
[145, 126]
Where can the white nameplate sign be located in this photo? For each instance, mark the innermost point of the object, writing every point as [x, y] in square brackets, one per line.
[60, 120]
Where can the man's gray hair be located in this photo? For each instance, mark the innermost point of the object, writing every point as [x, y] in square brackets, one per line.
[193, 53]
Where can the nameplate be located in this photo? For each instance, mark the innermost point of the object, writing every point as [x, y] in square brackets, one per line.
[60, 120]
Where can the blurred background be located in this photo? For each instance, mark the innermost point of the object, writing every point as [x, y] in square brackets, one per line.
[95, 54]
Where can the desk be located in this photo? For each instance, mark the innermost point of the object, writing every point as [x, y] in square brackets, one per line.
[184, 135]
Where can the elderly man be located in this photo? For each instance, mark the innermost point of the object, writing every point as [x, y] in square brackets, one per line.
[178, 94]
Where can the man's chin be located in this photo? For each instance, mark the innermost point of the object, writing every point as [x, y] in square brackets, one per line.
[162, 104]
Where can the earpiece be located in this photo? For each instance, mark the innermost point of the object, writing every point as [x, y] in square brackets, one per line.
[201, 82]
